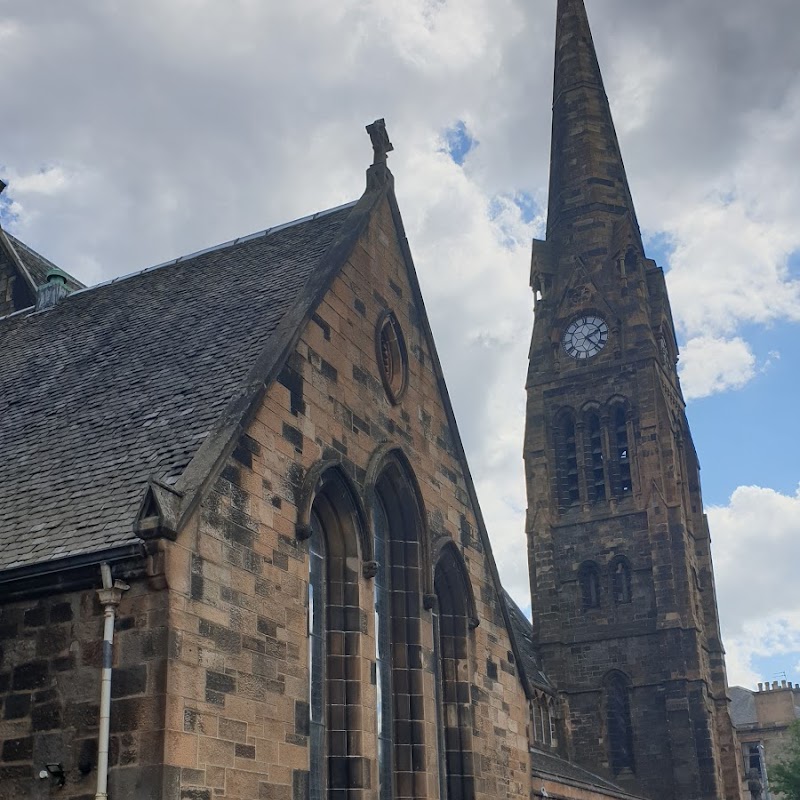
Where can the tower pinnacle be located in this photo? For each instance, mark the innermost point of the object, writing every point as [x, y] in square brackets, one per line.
[587, 176]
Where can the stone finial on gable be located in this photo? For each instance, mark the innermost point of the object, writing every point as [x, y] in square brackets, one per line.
[378, 174]
[381, 146]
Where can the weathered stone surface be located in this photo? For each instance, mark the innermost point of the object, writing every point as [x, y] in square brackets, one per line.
[613, 478]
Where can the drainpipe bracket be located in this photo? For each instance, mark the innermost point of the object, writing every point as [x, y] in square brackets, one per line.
[112, 596]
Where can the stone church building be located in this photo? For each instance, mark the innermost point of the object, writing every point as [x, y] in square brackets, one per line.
[241, 553]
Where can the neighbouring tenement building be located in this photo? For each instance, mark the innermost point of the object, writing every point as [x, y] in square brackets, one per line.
[241, 554]
[762, 721]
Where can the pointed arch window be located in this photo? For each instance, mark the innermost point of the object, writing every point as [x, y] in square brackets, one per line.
[595, 458]
[567, 457]
[452, 589]
[618, 723]
[621, 581]
[334, 626]
[402, 754]
[543, 720]
[589, 580]
[622, 453]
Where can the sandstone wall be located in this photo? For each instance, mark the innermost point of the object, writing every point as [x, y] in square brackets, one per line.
[237, 713]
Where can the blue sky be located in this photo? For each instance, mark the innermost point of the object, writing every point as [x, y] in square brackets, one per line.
[750, 435]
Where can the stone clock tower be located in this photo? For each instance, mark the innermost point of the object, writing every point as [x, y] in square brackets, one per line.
[623, 588]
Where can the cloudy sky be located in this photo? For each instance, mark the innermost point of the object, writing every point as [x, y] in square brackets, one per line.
[135, 132]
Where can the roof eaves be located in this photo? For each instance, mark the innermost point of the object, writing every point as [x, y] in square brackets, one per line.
[588, 780]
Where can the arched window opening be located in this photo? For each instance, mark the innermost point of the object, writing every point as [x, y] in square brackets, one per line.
[316, 658]
[545, 717]
[589, 579]
[618, 721]
[383, 654]
[552, 719]
[452, 592]
[536, 719]
[538, 294]
[631, 261]
[622, 453]
[621, 581]
[334, 615]
[401, 714]
[569, 489]
[595, 459]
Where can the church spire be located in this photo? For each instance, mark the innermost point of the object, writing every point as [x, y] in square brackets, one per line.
[587, 176]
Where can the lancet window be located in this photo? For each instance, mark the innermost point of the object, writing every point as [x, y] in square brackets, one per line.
[589, 581]
[621, 581]
[543, 720]
[452, 630]
[334, 627]
[400, 671]
[618, 722]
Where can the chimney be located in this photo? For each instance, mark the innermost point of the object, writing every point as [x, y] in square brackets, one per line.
[51, 293]
[760, 687]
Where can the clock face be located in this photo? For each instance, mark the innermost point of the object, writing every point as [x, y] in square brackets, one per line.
[585, 336]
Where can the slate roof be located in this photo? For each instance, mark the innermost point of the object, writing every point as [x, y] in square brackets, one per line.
[37, 265]
[124, 381]
[523, 632]
[543, 763]
[743, 707]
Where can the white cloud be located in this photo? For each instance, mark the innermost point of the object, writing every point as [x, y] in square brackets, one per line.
[46, 181]
[710, 365]
[756, 546]
[169, 125]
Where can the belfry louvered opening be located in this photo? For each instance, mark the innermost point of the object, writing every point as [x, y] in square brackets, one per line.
[567, 455]
[595, 458]
[622, 459]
